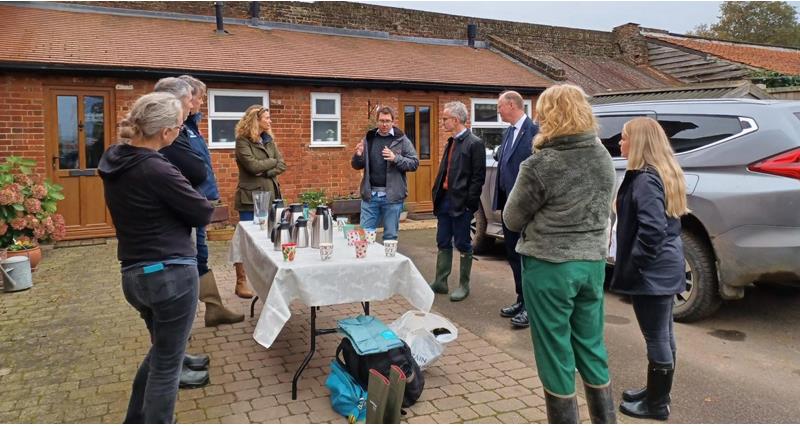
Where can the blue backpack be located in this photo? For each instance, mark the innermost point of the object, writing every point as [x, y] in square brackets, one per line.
[348, 398]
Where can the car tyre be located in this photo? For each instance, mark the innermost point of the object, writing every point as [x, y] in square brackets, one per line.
[477, 229]
[702, 296]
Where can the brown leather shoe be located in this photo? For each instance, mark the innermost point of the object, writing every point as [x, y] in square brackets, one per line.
[241, 283]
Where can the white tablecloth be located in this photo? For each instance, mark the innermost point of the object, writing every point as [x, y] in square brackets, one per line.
[341, 279]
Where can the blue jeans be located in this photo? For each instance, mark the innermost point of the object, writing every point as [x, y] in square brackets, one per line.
[453, 229]
[654, 315]
[202, 252]
[167, 301]
[377, 207]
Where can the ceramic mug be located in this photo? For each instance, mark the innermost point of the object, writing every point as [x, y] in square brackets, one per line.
[325, 251]
[390, 247]
[289, 251]
[361, 249]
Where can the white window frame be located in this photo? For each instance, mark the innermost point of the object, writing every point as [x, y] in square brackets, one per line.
[492, 124]
[213, 115]
[337, 116]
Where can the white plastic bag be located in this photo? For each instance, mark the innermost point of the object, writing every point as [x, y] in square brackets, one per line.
[417, 329]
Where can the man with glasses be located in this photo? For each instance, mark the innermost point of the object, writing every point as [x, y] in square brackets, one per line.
[456, 197]
[516, 147]
[385, 154]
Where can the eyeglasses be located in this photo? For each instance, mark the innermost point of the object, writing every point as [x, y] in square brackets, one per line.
[178, 128]
[447, 118]
[385, 121]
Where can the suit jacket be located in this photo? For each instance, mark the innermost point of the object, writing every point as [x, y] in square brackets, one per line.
[507, 173]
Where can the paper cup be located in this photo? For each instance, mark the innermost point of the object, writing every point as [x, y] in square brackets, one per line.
[325, 251]
[390, 247]
[289, 251]
[370, 235]
[361, 249]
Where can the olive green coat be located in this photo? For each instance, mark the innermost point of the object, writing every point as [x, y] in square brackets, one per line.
[259, 166]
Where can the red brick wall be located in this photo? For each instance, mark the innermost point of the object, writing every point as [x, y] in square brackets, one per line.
[22, 127]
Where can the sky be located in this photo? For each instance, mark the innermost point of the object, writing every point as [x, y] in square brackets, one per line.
[673, 16]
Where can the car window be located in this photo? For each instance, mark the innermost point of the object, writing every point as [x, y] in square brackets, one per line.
[688, 132]
[611, 131]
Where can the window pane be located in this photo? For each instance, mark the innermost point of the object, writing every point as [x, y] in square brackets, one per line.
[491, 137]
[409, 123]
[687, 132]
[486, 112]
[326, 106]
[611, 131]
[223, 130]
[525, 107]
[229, 103]
[94, 126]
[325, 130]
[424, 148]
[68, 132]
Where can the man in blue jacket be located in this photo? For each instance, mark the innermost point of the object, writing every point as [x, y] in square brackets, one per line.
[516, 147]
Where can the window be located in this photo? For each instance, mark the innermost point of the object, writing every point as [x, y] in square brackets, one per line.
[486, 122]
[225, 109]
[611, 131]
[688, 132]
[326, 119]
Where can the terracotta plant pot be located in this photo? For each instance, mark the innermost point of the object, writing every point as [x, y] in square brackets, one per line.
[34, 255]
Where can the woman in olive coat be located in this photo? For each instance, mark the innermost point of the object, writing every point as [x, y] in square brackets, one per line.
[259, 162]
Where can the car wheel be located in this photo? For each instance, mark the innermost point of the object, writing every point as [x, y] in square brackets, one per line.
[701, 297]
[477, 231]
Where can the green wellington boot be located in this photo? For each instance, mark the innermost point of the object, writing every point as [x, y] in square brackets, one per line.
[377, 394]
[444, 263]
[397, 388]
[465, 267]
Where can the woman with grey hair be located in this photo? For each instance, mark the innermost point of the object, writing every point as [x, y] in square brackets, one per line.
[154, 209]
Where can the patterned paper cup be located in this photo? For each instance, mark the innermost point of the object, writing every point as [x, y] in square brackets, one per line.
[361, 249]
[289, 250]
[340, 223]
[352, 237]
[325, 251]
[370, 234]
[390, 247]
[347, 227]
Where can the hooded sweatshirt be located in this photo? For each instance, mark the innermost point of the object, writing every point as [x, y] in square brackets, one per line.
[152, 204]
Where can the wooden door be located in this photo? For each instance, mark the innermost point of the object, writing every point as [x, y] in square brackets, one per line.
[79, 127]
[418, 120]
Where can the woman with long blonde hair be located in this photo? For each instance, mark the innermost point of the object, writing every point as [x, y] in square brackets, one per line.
[650, 263]
[561, 202]
[259, 162]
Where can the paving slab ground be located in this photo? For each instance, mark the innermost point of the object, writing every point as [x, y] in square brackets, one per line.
[69, 348]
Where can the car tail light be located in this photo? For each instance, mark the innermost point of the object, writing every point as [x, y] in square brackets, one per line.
[785, 164]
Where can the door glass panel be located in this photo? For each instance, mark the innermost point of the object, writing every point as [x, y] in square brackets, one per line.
[94, 127]
[409, 123]
[68, 157]
[424, 147]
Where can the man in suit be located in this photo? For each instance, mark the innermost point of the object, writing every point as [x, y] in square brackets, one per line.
[516, 147]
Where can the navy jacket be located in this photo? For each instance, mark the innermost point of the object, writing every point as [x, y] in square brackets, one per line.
[198, 144]
[467, 173]
[507, 172]
[182, 155]
[649, 248]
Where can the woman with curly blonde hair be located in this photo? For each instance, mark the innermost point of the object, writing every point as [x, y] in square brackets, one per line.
[560, 203]
[650, 263]
[259, 162]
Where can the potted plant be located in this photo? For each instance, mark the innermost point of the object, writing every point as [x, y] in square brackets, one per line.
[330, 135]
[313, 198]
[347, 205]
[27, 210]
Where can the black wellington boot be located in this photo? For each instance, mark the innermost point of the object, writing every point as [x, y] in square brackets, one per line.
[655, 404]
[561, 410]
[631, 395]
[601, 404]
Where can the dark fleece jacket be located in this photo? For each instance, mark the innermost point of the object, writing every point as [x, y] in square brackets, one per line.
[152, 204]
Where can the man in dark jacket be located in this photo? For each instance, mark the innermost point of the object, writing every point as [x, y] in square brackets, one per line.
[516, 147]
[385, 155]
[456, 196]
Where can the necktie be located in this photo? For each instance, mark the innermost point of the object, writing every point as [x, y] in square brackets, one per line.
[508, 144]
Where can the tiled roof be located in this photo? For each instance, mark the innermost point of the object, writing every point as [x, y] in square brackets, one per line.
[68, 38]
[719, 90]
[780, 59]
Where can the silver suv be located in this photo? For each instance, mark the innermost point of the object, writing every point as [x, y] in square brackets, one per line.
[741, 159]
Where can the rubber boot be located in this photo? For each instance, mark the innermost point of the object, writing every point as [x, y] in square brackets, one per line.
[394, 402]
[655, 404]
[465, 268]
[444, 264]
[241, 283]
[601, 404]
[216, 313]
[631, 395]
[377, 394]
[561, 410]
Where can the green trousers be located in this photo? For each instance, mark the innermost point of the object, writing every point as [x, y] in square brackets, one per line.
[565, 309]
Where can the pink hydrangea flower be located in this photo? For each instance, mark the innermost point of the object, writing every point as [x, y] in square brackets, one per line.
[32, 205]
